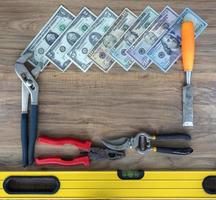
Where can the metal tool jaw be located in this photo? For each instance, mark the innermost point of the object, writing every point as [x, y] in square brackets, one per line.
[97, 153]
[141, 142]
[29, 85]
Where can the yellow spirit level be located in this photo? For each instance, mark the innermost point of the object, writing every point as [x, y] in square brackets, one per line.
[108, 184]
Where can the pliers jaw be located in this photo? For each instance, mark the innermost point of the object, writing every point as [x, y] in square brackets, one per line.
[97, 154]
[27, 80]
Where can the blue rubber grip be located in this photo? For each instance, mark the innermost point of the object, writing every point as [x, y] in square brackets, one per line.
[24, 138]
[32, 133]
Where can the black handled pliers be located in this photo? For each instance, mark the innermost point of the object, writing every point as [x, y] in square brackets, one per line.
[30, 89]
[142, 142]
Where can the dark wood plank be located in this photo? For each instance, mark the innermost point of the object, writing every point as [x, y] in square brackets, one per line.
[95, 105]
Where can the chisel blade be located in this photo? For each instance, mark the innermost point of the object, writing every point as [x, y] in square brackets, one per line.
[187, 105]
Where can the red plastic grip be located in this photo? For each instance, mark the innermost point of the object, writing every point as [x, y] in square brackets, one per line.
[82, 145]
[84, 160]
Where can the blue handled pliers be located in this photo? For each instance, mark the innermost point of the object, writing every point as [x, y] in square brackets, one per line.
[29, 89]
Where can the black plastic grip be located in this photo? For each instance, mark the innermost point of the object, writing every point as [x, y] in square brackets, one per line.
[174, 136]
[24, 138]
[177, 151]
[32, 133]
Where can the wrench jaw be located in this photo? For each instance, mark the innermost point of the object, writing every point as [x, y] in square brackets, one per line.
[27, 80]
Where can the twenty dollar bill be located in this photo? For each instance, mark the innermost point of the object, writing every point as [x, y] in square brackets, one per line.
[153, 34]
[100, 53]
[165, 53]
[57, 24]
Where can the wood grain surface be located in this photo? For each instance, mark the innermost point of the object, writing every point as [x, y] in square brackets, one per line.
[95, 105]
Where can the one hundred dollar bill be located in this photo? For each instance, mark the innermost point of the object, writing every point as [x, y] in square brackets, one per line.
[56, 25]
[57, 53]
[139, 26]
[166, 52]
[100, 53]
[153, 33]
[83, 46]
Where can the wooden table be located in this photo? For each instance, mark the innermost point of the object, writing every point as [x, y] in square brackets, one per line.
[95, 105]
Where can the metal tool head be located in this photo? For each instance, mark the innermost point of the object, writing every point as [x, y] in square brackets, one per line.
[97, 153]
[187, 105]
[119, 144]
[27, 79]
[141, 142]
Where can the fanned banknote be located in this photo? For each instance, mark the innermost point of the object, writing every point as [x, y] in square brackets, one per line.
[57, 53]
[100, 53]
[56, 25]
[118, 51]
[153, 34]
[83, 46]
[165, 53]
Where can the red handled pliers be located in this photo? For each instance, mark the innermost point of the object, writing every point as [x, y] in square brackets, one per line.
[87, 153]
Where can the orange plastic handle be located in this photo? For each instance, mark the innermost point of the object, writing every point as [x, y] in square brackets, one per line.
[188, 45]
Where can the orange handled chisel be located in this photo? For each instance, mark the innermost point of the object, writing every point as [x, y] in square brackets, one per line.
[188, 48]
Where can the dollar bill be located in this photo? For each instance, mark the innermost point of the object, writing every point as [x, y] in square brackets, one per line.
[165, 52]
[100, 53]
[56, 25]
[139, 26]
[153, 33]
[57, 53]
[83, 46]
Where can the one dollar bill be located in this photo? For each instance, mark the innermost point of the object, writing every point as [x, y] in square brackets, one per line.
[56, 25]
[84, 45]
[57, 53]
[166, 52]
[154, 32]
[118, 51]
[100, 53]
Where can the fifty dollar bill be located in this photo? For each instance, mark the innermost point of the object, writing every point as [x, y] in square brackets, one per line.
[83, 46]
[118, 51]
[153, 34]
[57, 53]
[56, 25]
[100, 53]
[166, 52]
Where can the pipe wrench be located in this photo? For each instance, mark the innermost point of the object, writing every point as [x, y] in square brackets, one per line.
[29, 115]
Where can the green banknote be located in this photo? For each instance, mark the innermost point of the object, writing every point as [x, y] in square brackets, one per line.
[118, 51]
[57, 53]
[83, 46]
[57, 24]
[100, 53]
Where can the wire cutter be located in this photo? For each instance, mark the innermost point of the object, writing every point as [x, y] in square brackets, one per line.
[142, 142]
[29, 88]
[87, 153]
